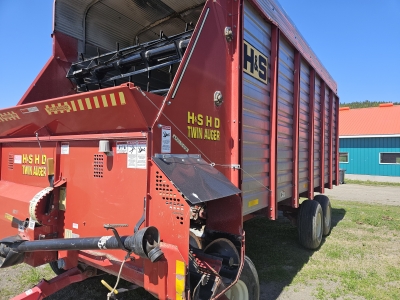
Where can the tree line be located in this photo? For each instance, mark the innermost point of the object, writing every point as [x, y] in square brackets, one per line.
[366, 103]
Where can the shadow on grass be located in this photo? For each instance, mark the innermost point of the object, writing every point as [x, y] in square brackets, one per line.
[274, 248]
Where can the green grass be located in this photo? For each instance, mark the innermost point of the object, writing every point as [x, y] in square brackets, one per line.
[371, 183]
[360, 258]
[33, 275]
[22, 278]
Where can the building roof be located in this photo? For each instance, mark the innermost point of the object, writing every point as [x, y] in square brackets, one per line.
[382, 120]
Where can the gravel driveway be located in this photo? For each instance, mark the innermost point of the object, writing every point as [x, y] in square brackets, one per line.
[388, 195]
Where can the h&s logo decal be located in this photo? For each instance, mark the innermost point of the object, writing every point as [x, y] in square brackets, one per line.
[255, 63]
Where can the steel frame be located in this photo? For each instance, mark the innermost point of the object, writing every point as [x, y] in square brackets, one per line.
[330, 166]
[322, 137]
[296, 106]
[273, 211]
[311, 135]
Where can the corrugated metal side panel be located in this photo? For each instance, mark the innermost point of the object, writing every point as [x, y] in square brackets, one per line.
[304, 125]
[69, 17]
[285, 120]
[106, 22]
[335, 154]
[172, 27]
[277, 15]
[105, 27]
[317, 131]
[125, 19]
[326, 137]
[256, 118]
[364, 155]
[179, 5]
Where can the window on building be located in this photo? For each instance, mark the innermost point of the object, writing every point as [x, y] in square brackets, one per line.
[343, 157]
[389, 158]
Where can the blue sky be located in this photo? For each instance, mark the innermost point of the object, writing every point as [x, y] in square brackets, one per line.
[358, 41]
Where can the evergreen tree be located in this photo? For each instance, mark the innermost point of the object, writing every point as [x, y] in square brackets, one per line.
[365, 103]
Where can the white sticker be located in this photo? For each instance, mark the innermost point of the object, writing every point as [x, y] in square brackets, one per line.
[131, 157]
[28, 292]
[74, 225]
[75, 236]
[29, 110]
[31, 224]
[122, 147]
[166, 139]
[64, 148]
[136, 154]
[180, 143]
[67, 233]
[33, 203]
[17, 159]
[141, 161]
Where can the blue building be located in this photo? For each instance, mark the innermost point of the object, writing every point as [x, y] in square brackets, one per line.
[369, 142]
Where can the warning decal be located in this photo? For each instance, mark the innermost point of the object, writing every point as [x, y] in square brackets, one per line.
[166, 139]
[136, 154]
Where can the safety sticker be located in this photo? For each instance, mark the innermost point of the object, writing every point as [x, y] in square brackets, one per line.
[253, 203]
[122, 147]
[31, 224]
[8, 217]
[102, 242]
[67, 233]
[9, 116]
[17, 159]
[166, 139]
[101, 101]
[180, 143]
[29, 110]
[136, 154]
[141, 155]
[75, 226]
[64, 148]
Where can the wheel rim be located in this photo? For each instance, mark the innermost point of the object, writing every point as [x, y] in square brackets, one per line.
[319, 226]
[238, 292]
[328, 217]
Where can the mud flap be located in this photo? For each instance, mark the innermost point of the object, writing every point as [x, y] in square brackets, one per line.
[197, 180]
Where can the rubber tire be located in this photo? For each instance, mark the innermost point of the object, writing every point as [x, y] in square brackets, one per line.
[327, 210]
[56, 269]
[250, 277]
[307, 221]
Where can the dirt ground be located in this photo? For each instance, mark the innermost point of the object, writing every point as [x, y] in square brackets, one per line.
[387, 195]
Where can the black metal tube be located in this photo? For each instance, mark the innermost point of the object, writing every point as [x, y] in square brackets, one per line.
[131, 60]
[12, 249]
[92, 243]
[136, 59]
